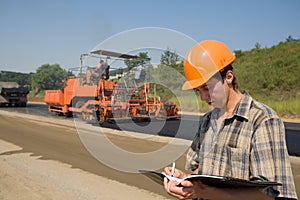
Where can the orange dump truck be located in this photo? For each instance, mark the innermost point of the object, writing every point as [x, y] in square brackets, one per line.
[105, 99]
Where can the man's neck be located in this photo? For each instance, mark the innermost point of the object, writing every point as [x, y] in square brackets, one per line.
[234, 97]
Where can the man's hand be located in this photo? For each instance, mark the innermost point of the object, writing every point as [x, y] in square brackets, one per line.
[177, 173]
[189, 190]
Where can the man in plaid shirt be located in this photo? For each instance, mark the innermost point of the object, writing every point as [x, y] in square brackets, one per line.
[239, 138]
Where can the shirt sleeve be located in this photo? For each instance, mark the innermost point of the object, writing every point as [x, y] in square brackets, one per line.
[270, 159]
[192, 157]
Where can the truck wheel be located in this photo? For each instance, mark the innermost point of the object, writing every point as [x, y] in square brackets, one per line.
[101, 117]
[78, 104]
[69, 114]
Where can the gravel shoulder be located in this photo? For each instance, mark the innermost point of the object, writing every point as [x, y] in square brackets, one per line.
[27, 177]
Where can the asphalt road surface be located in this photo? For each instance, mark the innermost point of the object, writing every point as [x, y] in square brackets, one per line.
[170, 128]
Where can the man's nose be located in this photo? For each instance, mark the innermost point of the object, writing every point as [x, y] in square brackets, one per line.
[204, 95]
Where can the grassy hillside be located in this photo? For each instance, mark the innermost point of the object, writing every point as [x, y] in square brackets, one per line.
[271, 75]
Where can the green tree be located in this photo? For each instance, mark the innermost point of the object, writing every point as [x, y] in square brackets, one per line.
[169, 73]
[291, 39]
[257, 45]
[142, 59]
[169, 57]
[48, 77]
[238, 53]
[172, 59]
[20, 78]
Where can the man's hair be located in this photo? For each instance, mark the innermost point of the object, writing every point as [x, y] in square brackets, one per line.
[223, 75]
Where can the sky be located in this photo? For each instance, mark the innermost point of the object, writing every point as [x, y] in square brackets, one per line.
[37, 32]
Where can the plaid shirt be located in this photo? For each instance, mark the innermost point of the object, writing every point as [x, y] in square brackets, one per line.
[250, 144]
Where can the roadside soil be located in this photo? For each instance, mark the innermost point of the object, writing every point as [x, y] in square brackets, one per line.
[26, 177]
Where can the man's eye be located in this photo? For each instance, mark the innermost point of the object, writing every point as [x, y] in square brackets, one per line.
[202, 88]
[205, 88]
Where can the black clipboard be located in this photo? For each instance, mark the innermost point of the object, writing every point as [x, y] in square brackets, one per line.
[215, 181]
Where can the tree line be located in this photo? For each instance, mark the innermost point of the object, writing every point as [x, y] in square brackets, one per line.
[264, 72]
[46, 77]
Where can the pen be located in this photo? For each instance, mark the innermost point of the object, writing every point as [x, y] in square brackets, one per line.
[173, 169]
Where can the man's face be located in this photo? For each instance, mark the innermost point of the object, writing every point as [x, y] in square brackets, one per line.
[213, 93]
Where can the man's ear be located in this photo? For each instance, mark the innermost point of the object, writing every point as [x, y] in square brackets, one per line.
[229, 77]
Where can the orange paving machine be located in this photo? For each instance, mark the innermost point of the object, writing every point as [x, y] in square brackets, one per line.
[93, 95]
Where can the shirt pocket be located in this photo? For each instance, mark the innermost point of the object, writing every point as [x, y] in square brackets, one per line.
[237, 162]
[227, 161]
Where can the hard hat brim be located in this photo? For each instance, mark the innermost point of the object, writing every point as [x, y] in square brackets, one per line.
[192, 84]
[197, 82]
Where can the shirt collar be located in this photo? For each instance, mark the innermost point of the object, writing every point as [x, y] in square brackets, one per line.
[243, 107]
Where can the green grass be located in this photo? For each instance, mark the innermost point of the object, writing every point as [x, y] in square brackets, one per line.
[271, 76]
[191, 103]
[289, 108]
[32, 96]
[285, 107]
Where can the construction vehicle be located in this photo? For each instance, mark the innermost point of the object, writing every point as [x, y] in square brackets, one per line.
[102, 99]
[11, 94]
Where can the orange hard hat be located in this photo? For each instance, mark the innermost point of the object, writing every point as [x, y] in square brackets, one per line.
[204, 60]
